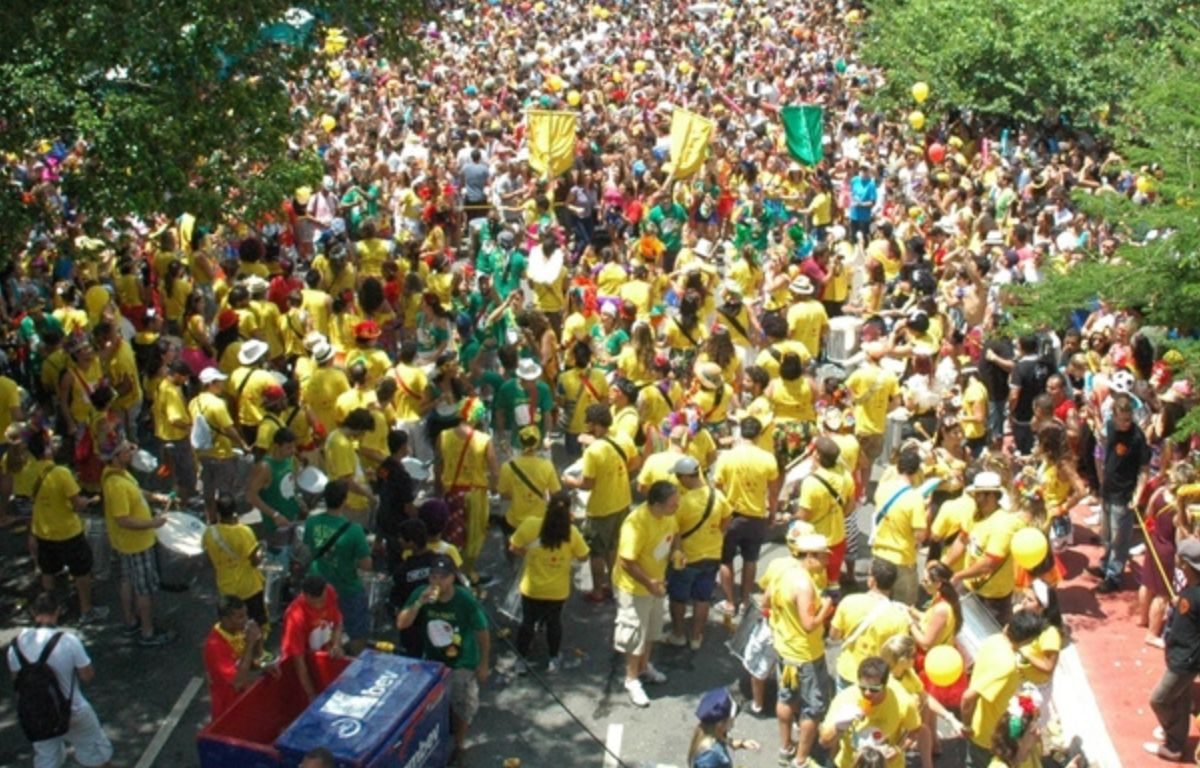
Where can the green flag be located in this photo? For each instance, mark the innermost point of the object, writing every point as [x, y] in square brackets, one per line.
[804, 127]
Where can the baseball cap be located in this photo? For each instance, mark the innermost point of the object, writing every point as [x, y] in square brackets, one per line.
[442, 565]
[1189, 552]
[210, 374]
[686, 466]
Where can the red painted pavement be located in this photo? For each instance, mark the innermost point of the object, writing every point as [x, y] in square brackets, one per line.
[1121, 669]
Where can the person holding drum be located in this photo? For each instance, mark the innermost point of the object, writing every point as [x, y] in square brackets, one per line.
[990, 570]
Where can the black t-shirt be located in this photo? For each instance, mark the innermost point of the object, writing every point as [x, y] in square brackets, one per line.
[396, 492]
[993, 376]
[1029, 376]
[1125, 454]
[412, 572]
[1183, 636]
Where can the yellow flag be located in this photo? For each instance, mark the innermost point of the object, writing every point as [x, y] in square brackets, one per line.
[689, 141]
[551, 141]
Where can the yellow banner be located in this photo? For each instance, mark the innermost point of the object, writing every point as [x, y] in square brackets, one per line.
[690, 134]
[551, 137]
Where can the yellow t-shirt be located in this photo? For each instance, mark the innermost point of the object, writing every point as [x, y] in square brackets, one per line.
[54, 517]
[953, 518]
[525, 503]
[713, 404]
[169, 406]
[316, 304]
[626, 423]
[646, 540]
[473, 471]
[632, 368]
[995, 678]
[80, 384]
[992, 538]
[320, 393]
[610, 279]
[410, 391]
[10, 399]
[848, 450]
[782, 581]
[806, 320]
[637, 293]
[826, 510]
[703, 544]
[872, 388]
[974, 394]
[121, 368]
[247, 393]
[353, 399]
[216, 413]
[270, 327]
[1050, 641]
[230, 548]
[123, 498]
[573, 390]
[887, 619]
[701, 447]
[659, 466]
[341, 462]
[608, 468]
[770, 357]
[895, 535]
[376, 361]
[745, 473]
[547, 572]
[371, 255]
[793, 400]
[893, 718]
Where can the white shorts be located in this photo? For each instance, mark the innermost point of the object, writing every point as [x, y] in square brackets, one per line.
[639, 622]
[92, 747]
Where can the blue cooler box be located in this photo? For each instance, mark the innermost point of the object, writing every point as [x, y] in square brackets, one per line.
[384, 711]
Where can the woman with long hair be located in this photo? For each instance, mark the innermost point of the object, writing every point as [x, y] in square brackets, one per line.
[718, 348]
[198, 350]
[937, 625]
[548, 544]
[1060, 486]
[793, 401]
[683, 333]
[636, 361]
[1166, 519]
[435, 329]
[1016, 742]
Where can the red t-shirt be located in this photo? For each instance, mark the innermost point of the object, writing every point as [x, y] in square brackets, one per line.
[306, 629]
[220, 665]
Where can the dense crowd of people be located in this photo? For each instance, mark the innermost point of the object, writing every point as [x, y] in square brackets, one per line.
[650, 374]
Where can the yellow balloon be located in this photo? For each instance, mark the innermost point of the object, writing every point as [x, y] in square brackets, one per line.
[916, 119]
[943, 665]
[920, 92]
[573, 98]
[554, 84]
[328, 123]
[639, 67]
[617, 77]
[853, 16]
[335, 72]
[1029, 548]
[684, 67]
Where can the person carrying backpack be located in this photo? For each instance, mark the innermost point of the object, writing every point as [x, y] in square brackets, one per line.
[48, 666]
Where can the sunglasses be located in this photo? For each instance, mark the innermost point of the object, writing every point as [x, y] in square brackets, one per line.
[870, 688]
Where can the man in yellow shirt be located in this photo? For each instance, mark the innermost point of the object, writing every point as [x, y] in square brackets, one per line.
[875, 392]
[466, 464]
[58, 535]
[798, 613]
[826, 498]
[806, 318]
[323, 387]
[994, 679]
[234, 551]
[877, 708]
[218, 467]
[749, 478]
[703, 516]
[131, 531]
[342, 463]
[866, 620]
[527, 480]
[605, 475]
[411, 398]
[988, 567]
[245, 387]
[898, 524]
[648, 536]
[173, 428]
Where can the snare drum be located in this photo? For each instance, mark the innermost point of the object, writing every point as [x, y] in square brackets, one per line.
[275, 575]
[180, 550]
[978, 625]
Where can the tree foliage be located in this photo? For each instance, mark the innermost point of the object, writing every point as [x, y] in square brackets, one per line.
[1019, 60]
[183, 105]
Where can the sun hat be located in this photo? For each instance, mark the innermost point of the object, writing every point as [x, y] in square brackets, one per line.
[529, 370]
[252, 351]
[986, 482]
[802, 286]
[708, 374]
[322, 352]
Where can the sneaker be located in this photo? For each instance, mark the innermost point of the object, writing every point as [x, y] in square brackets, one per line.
[94, 615]
[131, 630]
[653, 676]
[1159, 733]
[637, 694]
[676, 640]
[1108, 586]
[695, 643]
[157, 640]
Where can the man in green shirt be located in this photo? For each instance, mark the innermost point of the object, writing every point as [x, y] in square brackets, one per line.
[454, 629]
[339, 551]
[271, 488]
[526, 399]
[668, 218]
[509, 265]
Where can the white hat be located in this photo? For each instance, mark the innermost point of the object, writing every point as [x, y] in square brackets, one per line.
[252, 351]
[529, 370]
[802, 286]
[210, 374]
[256, 285]
[322, 352]
[995, 237]
[703, 248]
[312, 339]
[608, 308]
[986, 482]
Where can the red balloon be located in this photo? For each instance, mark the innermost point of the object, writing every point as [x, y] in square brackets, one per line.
[937, 153]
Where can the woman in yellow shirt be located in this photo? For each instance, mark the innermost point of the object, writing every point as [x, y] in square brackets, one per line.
[636, 361]
[712, 398]
[198, 350]
[176, 289]
[718, 348]
[684, 333]
[548, 544]
[793, 402]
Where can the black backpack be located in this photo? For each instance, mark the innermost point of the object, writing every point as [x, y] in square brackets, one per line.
[42, 709]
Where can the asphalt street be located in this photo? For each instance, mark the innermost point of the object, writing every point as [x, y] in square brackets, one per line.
[543, 720]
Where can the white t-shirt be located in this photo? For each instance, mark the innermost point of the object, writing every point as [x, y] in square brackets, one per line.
[68, 656]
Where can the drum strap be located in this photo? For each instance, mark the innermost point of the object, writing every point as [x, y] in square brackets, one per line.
[224, 545]
[37, 487]
[887, 507]
[708, 508]
[992, 575]
[875, 612]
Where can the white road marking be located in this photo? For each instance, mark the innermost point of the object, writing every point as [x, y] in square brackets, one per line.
[168, 726]
[612, 743]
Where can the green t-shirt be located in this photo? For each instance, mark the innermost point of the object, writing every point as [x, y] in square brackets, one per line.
[511, 397]
[612, 343]
[448, 629]
[669, 221]
[339, 565]
[509, 268]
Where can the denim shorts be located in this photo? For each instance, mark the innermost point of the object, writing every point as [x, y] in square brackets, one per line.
[694, 583]
[356, 619]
